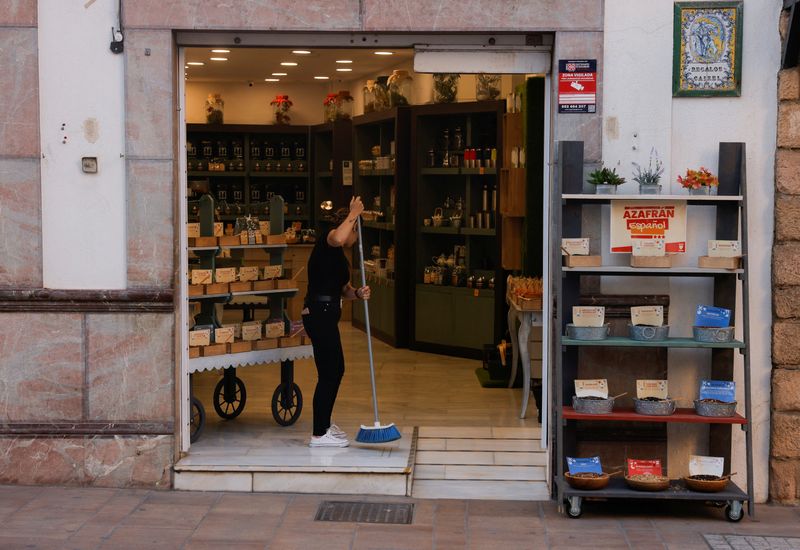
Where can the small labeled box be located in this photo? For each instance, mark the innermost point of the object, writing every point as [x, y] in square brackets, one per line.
[225, 275]
[274, 329]
[248, 273]
[201, 276]
[251, 331]
[200, 337]
[223, 335]
[192, 230]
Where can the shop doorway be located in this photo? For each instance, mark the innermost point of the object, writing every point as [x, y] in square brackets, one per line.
[435, 398]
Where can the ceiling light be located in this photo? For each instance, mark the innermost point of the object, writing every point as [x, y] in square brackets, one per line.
[195, 63]
[289, 64]
[272, 80]
[220, 51]
[279, 74]
[321, 78]
[344, 70]
[301, 52]
[186, 66]
[219, 58]
[384, 53]
[344, 61]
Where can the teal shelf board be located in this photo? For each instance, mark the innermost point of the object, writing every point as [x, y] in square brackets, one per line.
[476, 232]
[618, 341]
[216, 174]
[278, 174]
[440, 230]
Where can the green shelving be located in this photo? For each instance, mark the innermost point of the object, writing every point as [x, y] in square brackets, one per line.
[617, 341]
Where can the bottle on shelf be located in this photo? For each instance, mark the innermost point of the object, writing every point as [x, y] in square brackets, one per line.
[485, 198]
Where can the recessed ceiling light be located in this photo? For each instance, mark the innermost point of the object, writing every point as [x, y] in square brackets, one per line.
[195, 63]
[384, 53]
[220, 51]
[272, 80]
[344, 61]
[279, 74]
[301, 52]
[186, 66]
[321, 78]
[289, 64]
[344, 70]
[218, 58]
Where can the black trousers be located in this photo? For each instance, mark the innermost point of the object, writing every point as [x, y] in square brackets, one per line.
[322, 326]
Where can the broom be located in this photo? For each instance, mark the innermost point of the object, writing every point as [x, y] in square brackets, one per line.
[376, 433]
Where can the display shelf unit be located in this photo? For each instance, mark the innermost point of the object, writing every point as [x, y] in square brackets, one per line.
[730, 211]
[248, 190]
[388, 130]
[331, 146]
[444, 319]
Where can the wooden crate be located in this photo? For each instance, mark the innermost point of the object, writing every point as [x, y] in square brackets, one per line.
[267, 343]
[709, 262]
[194, 353]
[276, 239]
[245, 286]
[511, 247]
[284, 283]
[229, 240]
[197, 290]
[583, 261]
[512, 192]
[241, 346]
[264, 285]
[290, 341]
[203, 241]
[651, 261]
[214, 349]
[217, 288]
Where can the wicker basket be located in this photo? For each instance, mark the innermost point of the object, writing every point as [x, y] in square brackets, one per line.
[656, 485]
[592, 406]
[587, 483]
[706, 486]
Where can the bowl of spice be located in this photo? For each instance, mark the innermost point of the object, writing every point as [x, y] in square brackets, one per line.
[707, 483]
[714, 407]
[587, 481]
[592, 404]
[647, 482]
[653, 406]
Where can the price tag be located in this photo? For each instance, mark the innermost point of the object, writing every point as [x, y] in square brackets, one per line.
[636, 466]
[574, 247]
[706, 465]
[201, 276]
[649, 247]
[652, 316]
[223, 335]
[724, 249]
[592, 388]
[248, 273]
[588, 316]
[192, 230]
[651, 388]
[225, 275]
[710, 316]
[251, 331]
[582, 465]
[200, 337]
[721, 390]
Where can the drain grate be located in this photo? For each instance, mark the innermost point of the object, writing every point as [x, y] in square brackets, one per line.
[396, 513]
[750, 542]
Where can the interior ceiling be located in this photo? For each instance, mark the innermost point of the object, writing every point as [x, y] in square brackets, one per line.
[256, 64]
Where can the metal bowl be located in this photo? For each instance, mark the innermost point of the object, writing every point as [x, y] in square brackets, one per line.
[583, 405]
[648, 334]
[588, 333]
[714, 409]
[654, 408]
[713, 334]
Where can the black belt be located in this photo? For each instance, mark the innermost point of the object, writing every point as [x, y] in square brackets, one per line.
[321, 298]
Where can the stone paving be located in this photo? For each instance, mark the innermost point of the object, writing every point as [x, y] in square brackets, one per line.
[95, 518]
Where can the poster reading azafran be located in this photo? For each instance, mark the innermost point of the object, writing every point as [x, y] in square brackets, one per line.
[647, 220]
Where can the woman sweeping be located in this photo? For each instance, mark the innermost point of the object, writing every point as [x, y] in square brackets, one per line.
[328, 284]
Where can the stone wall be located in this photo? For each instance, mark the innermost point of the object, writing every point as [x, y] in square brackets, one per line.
[785, 448]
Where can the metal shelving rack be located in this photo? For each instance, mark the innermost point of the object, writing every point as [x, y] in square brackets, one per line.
[731, 219]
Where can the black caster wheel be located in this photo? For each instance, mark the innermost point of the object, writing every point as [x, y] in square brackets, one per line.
[198, 419]
[573, 507]
[233, 408]
[287, 404]
[734, 511]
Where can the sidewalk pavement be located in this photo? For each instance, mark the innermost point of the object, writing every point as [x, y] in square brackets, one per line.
[84, 518]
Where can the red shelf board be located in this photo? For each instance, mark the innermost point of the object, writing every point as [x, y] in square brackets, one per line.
[686, 416]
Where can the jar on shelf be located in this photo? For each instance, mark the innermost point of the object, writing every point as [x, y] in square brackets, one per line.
[344, 105]
[368, 93]
[382, 93]
[280, 108]
[445, 87]
[399, 88]
[329, 105]
[214, 109]
[487, 86]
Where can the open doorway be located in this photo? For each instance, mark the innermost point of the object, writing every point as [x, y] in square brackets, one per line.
[432, 176]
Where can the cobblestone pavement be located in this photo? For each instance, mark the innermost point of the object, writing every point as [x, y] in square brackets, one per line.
[87, 518]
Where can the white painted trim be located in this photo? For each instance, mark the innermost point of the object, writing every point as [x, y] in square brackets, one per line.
[184, 431]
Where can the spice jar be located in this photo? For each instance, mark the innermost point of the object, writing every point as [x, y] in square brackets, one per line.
[399, 88]
[214, 108]
[339, 106]
[280, 107]
[445, 87]
[381, 93]
[368, 93]
[487, 86]
[329, 108]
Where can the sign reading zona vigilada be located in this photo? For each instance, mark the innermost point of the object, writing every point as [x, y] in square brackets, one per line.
[577, 85]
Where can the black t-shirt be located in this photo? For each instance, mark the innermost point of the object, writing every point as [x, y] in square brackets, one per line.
[328, 270]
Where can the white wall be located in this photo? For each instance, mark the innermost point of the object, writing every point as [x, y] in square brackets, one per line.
[81, 86]
[686, 132]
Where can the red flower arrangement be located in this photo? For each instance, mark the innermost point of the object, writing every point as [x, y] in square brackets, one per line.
[281, 105]
[695, 179]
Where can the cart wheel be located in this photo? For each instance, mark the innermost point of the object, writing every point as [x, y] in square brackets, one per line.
[198, 419]
[574, 507]
[230, 409]
[734, 511]
[287, 403]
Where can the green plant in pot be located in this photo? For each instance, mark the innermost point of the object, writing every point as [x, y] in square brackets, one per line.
[649, 178]
[605, 180]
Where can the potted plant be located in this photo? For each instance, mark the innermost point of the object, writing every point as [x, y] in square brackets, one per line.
[649, 178]
[699, 182]
[605, 180]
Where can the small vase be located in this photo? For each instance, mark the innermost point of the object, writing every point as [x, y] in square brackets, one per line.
[705, 190]
[649, 189]
[605, 189]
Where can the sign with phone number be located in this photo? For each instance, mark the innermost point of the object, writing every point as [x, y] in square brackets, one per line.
[577, 86]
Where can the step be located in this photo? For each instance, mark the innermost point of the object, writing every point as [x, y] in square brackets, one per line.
[340, 483]
[468, 432]
[486, 490]
[464, 444]
[479, 472]
[499, 458]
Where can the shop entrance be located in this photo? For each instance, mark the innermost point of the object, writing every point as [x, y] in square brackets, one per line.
[436, 161]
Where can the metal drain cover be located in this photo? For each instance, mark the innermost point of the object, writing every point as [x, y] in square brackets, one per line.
[397, 513]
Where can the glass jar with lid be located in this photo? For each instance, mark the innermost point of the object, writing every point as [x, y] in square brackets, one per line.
[368, 93]
[329, 106]
[382, 93]
[445, 87]
[487, 86]
[280, 107]
[399, 88]
[214, 109]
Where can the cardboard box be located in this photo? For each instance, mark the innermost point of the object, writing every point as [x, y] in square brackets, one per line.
[217, 288]
[200, 337]
[192, 230]
[274, 329]
[263, 226]
[724, 249]
[242, 346]
[218, 229]
[224, 335]
[229, 240]
[251, 331]
[575, 247]
[194, 353]
[241, 286]
[285, 283]
[201, 276]
[276, 239]
[196, 290]
[583, 261]
[225, 275]
[271, 271]
[290, 341]
[651, 261]
[203, 241]
[710, 262]
[237, 330]
[248, 273]
[215, 349]
[264, 285]
[268, 343]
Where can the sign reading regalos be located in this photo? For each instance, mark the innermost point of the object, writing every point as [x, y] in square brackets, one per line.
[648, 220]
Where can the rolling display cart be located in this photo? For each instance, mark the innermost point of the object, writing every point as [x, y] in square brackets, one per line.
[731, 224]
[230, 394]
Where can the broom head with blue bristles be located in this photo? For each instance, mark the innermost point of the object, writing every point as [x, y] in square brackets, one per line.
[378, 433]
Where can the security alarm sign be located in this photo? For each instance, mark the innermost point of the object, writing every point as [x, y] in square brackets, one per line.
[577, 85]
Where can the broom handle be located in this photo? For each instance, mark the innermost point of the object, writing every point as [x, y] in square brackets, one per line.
[366, 322]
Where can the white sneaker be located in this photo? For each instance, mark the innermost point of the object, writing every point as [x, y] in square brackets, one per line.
[327, 440]
[337, 432]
